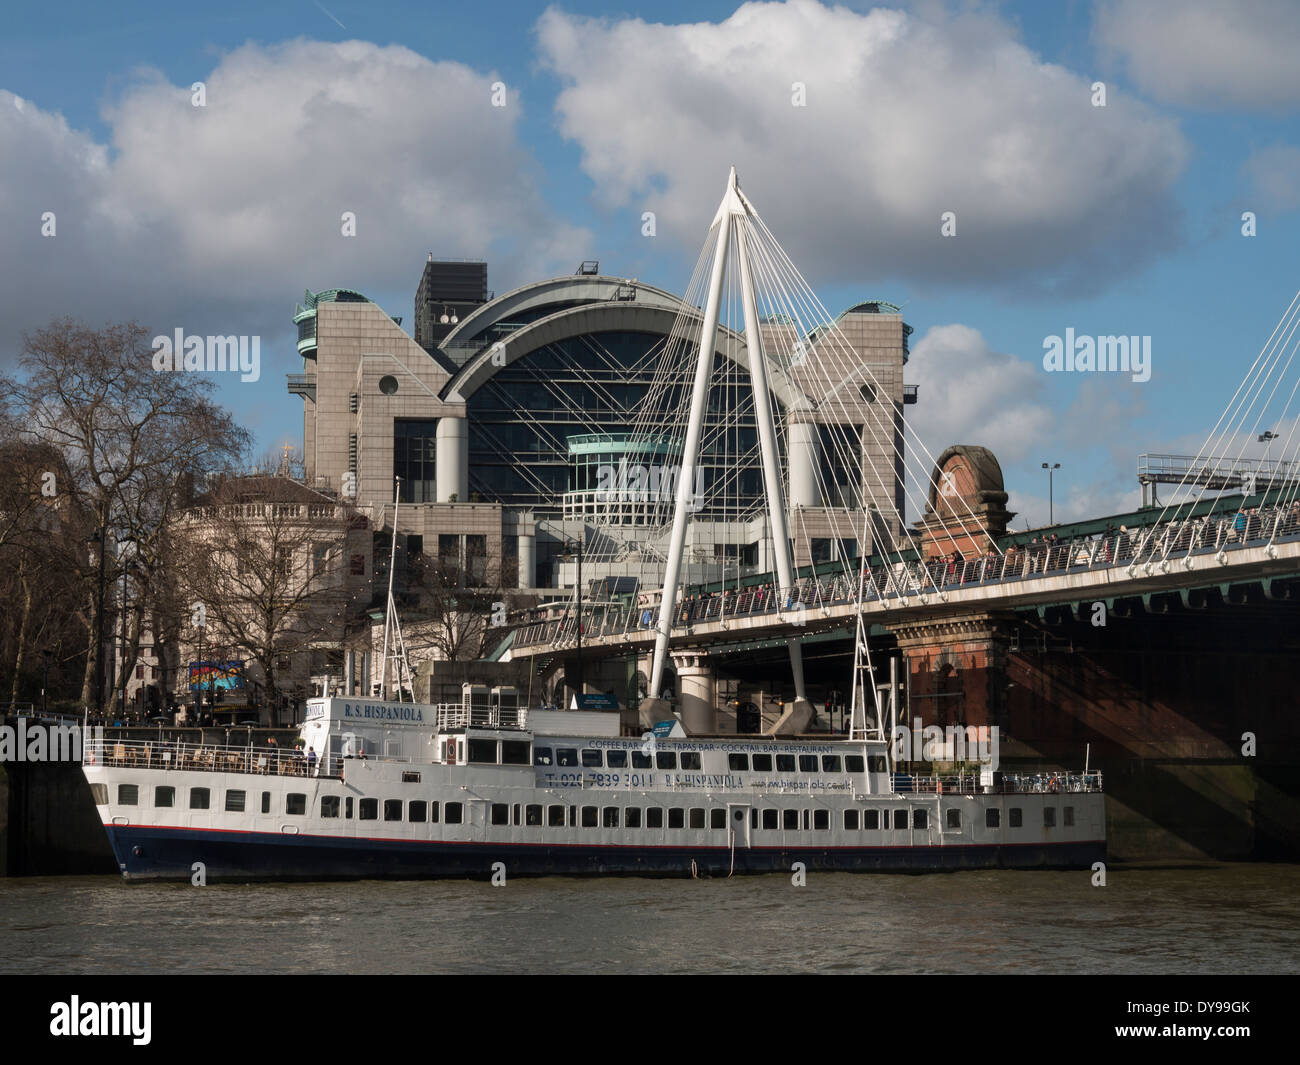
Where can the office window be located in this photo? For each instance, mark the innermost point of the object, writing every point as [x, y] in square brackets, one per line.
[414, 457]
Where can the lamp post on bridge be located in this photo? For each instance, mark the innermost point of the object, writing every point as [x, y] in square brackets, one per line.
[578, 597]
[1051, 511]
[1266, 438]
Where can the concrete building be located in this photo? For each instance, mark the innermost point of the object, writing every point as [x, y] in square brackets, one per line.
[498, 430]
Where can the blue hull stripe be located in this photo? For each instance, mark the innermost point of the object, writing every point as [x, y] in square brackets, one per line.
[149, 852]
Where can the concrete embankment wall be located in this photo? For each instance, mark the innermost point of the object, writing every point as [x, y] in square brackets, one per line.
[48, 822]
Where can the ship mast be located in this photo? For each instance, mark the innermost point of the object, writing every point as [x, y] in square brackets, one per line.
[392, 621]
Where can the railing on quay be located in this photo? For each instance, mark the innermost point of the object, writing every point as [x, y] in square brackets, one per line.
[1148, 548]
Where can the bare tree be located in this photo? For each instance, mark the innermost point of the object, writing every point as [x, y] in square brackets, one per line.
[134, 442]
[459, 616]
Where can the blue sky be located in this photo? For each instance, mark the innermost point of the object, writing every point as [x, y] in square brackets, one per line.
[1127, 219]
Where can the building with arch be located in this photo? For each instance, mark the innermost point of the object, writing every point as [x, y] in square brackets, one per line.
[501, 424]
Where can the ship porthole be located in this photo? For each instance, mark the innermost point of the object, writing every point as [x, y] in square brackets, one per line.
[136, 851]
[740, 815]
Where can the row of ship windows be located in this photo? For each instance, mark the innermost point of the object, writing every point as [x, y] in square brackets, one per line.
[591, 758]
[561, 816]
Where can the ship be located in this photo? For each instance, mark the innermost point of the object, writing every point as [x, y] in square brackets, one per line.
[486, 788]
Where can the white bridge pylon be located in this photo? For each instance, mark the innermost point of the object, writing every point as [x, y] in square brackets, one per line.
[733, 220]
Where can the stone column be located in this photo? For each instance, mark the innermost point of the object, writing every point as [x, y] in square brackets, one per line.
[803, 465]
[527, 559]
[452, 445]
[697, 688]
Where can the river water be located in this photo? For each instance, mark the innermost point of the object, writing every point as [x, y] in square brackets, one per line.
[1212, 918]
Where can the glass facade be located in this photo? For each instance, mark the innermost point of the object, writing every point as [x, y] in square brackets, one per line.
[521, 422]
[414, 456]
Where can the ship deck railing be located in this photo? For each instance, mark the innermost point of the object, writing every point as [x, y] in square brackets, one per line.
[1003, 784]
[218, 758]
[456, 715]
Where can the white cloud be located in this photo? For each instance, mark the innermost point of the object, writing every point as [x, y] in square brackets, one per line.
[1207, 53]
[1274, 176]
[907, 116]
[223, 214]
[971, 394]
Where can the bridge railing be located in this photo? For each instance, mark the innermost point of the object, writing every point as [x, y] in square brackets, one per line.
[1145, 548]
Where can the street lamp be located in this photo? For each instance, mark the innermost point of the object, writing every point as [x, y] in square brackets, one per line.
[1051, 512]
[127, 566]
[578, 595]
[98, 542]
[1266, 438]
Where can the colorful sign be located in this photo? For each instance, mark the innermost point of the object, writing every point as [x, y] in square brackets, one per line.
[209, 676]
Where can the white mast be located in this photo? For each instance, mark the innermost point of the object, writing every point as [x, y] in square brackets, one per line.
[734, 205]
[391, 620]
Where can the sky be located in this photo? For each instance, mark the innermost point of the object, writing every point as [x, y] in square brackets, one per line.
[130, 191]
